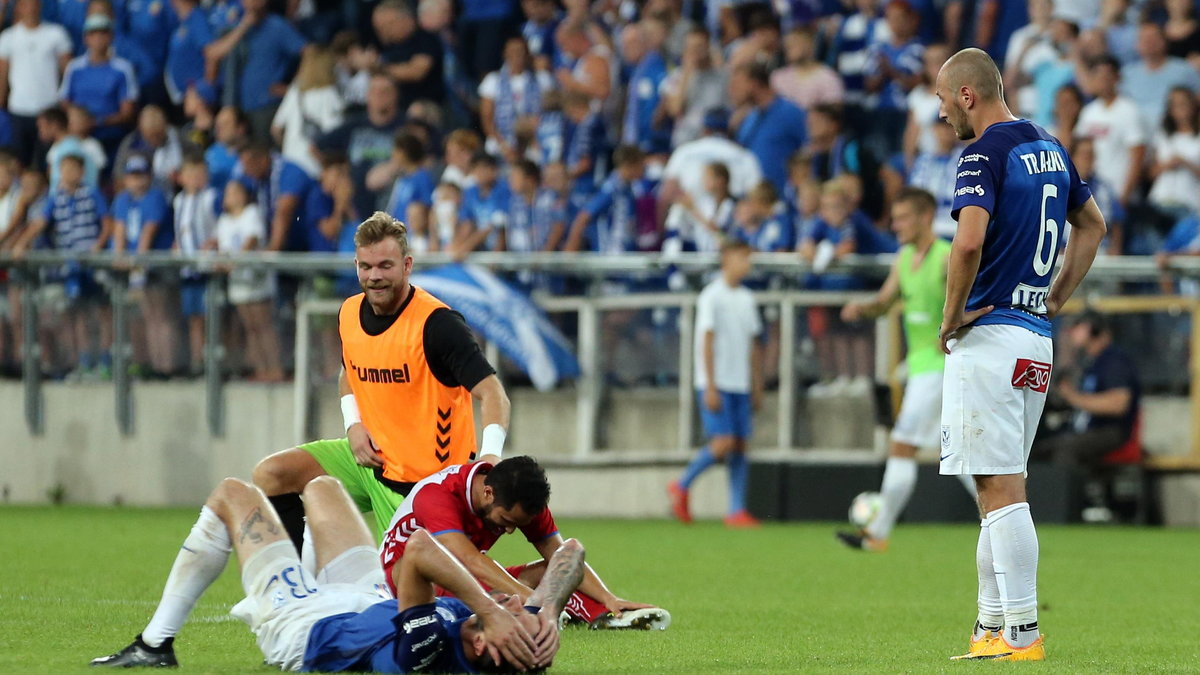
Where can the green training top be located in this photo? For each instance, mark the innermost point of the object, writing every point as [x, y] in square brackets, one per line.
[923, 291]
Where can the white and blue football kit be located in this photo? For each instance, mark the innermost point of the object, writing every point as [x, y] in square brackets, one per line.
[999, 367]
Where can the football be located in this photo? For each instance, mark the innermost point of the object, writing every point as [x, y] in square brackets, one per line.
[864, 508]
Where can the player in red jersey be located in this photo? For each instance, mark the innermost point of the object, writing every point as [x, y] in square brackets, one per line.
[469, 507]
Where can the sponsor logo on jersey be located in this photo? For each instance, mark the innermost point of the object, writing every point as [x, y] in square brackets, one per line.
[1043, 161]
[425, 643]
[382, 375]
[969, 190]
[413, 624]
[973, 157]
[964, 174]
[1032, 375]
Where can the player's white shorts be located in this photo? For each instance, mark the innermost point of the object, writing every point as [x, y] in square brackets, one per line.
[283, 601]
[920, 415]
[994, 392]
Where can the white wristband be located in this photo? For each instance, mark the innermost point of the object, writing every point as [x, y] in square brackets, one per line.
[350, 415]
[493, 440]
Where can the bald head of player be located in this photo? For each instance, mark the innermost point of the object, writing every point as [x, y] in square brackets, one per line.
[971, 93]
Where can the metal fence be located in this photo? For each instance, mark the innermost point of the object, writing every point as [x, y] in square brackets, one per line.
[1106, 288]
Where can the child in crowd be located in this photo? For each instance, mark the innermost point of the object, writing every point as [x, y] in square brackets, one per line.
[443, 218]
[411, 187]
[196, 206]
[242, 228]
[700, 226]
[461, 147]
[142, 218]
[484, 211]
[762, 222]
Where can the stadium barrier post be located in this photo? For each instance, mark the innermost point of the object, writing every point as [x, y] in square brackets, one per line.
[687, 347]
[1194, 384]
[31, 355]
[587, 402]
[214, 353]
[122, 350]
[301, 380]
[787, 370]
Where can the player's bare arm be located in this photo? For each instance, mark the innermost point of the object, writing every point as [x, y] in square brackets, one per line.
[1088, 229]
[965, 253]
[494, 409]
[880, 304]
[563, 574]
[487, 571]
[427, 562]
[361, 444]
[591, 585]
[712, 399]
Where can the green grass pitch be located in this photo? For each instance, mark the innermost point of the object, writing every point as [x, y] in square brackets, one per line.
[76, 583]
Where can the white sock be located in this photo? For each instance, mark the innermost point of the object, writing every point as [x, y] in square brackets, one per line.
[991, 612]
[968, 483]
[1015, 557]
[199, 563]
[308, 552]
[899, 478]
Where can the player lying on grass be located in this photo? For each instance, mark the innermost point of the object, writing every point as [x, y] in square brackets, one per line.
[468, 507]
[341, 618]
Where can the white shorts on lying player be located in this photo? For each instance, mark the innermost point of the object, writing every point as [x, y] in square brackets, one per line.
[992, 399]
[283, 601]
[920, 417]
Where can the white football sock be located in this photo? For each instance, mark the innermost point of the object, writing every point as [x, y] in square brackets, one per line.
[899, 478]
[968, 483]
[1015, 557]
[991, 612]
[199, 563]
[308, 552]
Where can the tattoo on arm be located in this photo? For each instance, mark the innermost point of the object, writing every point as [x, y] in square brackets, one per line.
[562, 577]
[255, 526]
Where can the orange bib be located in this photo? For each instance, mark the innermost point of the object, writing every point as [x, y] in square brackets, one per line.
[420, 425]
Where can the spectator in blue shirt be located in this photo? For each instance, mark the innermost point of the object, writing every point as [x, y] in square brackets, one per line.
[330, 204]
[609, 221]
[762, 222]
[410, 190]
[71, 14]
[258, 57]
[53, 130]
[848, 54]
[76, 218]
[641, 48]
[536, 216]
[231, 130]
[483, 215]
[280, 188]
[142, 223]
[483, 26]
[541, 20]
[511, 99]
[893, 68]
[195, 214]
[104, 84]
[147, 26]
[1148, 81]
[580, 143]
[185, 52]
[833, 152]
[772, 128]
[224, 16]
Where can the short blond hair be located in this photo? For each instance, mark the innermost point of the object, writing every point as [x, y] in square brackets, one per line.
[378, 227]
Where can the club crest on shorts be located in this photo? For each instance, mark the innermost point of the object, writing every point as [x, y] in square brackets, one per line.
[945, 437]
[1034, 375]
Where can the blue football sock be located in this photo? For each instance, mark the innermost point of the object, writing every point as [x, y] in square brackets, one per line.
[703, 460]
[739, 474]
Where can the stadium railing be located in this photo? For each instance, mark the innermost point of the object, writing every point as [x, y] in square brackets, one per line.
[1097, 292]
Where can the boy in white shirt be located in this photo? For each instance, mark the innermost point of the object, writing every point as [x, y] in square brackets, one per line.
[729, 382]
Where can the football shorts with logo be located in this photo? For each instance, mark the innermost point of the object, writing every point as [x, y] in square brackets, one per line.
[993, 394]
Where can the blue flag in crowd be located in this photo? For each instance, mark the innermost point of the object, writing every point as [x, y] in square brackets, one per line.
[507, 317]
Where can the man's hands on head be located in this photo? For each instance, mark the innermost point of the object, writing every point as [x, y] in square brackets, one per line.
[546, 639]
[507, 640]
[363, 447]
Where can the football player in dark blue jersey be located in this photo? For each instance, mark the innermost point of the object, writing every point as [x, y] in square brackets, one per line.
[1015, 188]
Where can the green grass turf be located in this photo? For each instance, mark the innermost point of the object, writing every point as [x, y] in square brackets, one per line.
[76, 583]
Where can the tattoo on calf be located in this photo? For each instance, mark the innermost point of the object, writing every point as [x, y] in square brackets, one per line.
[255, 526]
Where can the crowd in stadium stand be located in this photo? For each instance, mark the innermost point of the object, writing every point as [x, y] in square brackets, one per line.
[608, 126]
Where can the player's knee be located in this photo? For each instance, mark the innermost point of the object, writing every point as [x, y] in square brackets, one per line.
[325, 486]
[228, 490]
[419, 542]
[277, 474]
